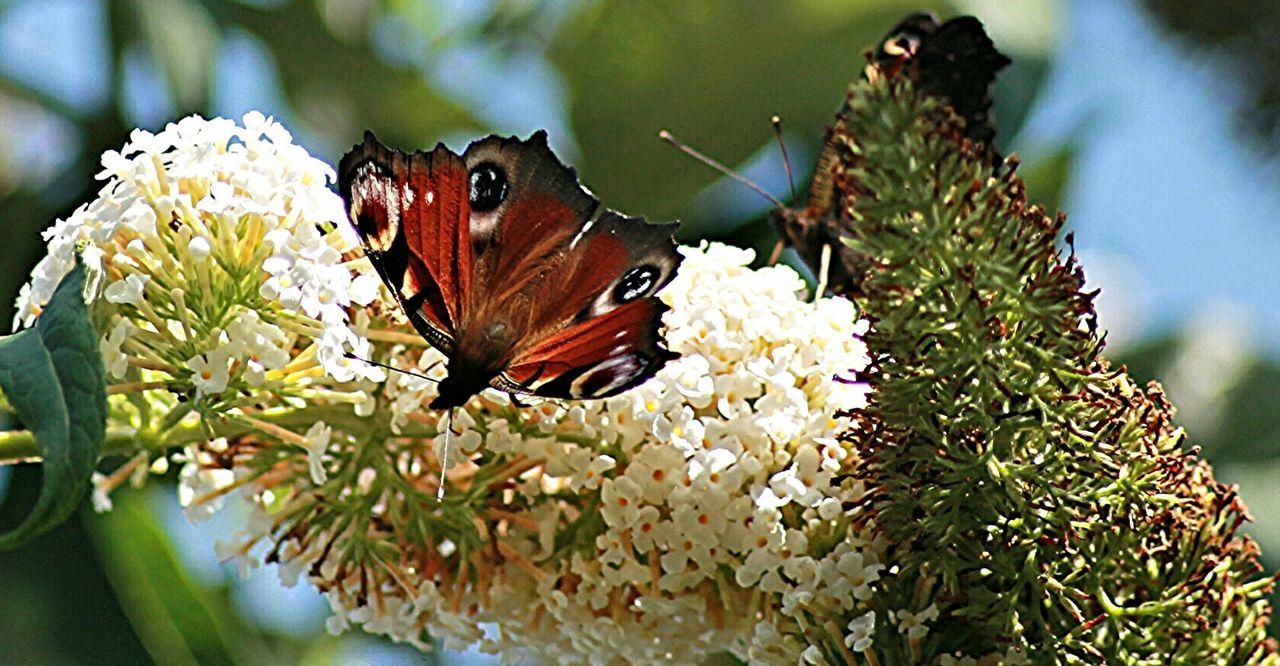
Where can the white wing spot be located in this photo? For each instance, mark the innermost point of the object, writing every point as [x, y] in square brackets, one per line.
[613, 372]
[367, 186]
[585, 228]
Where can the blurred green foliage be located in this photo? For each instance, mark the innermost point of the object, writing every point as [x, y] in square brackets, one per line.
[1241, 35]
[173, 614]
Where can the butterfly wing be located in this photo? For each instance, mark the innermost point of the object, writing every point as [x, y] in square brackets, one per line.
[604, 338]
[410, 211]
[955, 60]
[959, 62]
[574, 283]
[504, 262]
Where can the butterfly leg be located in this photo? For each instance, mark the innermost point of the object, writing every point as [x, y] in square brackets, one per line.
[525, 386]
[777, 252]
[824, 270]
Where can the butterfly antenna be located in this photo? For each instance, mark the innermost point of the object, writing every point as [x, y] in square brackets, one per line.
[690, 151]
[384, 365]
[786, 159]
[444, 454]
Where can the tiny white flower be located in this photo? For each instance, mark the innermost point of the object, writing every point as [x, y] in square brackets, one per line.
[332, 348]
[619, 499]
[141, 219]
[230, 551]
[198, 480]
[200, 248]
[113, 357]
[210, 372]
[861, 630]
[916, 625]
[129, 290]
[318, 436]
[364, 289]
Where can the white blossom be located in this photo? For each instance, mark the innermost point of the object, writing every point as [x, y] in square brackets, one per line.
[678, 476]
[200, 484]
[111, 348]
[916, 624]
[210, 372]
[861, 630]
[317, 442]
[128, 290]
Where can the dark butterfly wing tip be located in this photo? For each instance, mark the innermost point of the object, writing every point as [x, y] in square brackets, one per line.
[537, 140]
[367, 146]
[358, 153]
[967, 36]
[923, 19]
[670, 227]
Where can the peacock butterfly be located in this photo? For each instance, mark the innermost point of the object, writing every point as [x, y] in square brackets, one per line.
[954, 61]
[510, 268]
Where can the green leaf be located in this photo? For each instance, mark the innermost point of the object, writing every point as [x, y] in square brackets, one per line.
[52, 375]
[30, 384]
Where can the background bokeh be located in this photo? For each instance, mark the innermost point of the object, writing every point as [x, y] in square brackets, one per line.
[1152, 123]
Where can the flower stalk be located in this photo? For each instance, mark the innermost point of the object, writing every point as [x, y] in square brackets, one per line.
[1030, 492]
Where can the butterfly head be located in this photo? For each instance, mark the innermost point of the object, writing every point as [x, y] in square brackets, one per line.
[457, 388]
[808, 230]
[794, 225]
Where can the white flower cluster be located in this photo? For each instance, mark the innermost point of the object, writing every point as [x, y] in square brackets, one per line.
[221, 247]
[712, 508]
[695, 502]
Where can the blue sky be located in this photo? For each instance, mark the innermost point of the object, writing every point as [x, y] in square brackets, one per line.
[1179, 213]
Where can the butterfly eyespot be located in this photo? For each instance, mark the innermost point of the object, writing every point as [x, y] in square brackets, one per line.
[636, 283]
[609, 376]
[488, 185]
[902, 44]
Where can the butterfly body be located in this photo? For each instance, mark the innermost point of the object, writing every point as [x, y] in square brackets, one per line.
[954, 61]
[504, 263]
